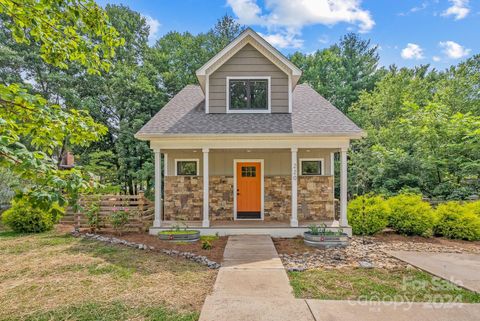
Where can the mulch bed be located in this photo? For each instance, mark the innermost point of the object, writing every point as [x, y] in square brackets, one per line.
[215, 253]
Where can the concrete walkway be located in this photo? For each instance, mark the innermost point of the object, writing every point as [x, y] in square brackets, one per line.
[461, 269]
[252, 285]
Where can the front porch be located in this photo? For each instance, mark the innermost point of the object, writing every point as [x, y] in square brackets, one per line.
[239, 227]
[203, 188]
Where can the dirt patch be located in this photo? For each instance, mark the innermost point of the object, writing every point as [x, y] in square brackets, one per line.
[214, 254]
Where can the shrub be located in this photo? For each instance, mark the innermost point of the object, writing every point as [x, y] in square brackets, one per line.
[92, 212]
[474, 207]
[119, 218]
[410, 215]
[457, 221]
[367, 214]
[23, 217]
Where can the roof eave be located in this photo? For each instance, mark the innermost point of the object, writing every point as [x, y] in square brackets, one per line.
[152, 136]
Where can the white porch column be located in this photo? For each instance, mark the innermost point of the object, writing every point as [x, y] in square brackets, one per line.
[332, 173]
[157, 222]
[294, 218]
[343, 187]
[206, 222]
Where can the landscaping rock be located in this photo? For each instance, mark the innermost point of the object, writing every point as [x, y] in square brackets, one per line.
[365, 265]
[113, 240]
[367, 250]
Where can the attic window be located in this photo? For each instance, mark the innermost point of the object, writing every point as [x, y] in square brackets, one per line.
[248, 94]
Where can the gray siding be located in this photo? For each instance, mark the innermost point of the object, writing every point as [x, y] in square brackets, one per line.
[248, 61]
[276, 161]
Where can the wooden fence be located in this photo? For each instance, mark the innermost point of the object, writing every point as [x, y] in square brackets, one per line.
[140, 209]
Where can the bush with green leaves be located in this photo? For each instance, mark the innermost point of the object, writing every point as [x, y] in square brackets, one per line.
[119, 218]
[410, 215]
[24, 217]
[368, 214]
[92, 212]
[474, 207]
[457, 221]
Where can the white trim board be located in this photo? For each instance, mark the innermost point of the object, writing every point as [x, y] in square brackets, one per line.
[187, 160]
[262, 187]
[312, 159]
[249, 111]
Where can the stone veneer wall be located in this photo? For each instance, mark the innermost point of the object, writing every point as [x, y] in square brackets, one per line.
[183, 199]
[278, 190]
[221, 198]
[315, 198]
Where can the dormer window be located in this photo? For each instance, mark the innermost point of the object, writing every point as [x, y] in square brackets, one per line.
[248, 94]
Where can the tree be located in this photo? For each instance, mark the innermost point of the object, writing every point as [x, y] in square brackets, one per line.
[32, 128]
[341, 72]
[423, 128]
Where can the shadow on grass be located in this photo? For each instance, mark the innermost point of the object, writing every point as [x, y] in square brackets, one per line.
[94, 311]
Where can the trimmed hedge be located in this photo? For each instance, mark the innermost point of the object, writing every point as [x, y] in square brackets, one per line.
[24, 218]
[457, 221]
[367, 214]
[410, 215]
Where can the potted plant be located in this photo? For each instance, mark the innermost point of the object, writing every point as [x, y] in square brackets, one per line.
[319, 236]
[180, 234]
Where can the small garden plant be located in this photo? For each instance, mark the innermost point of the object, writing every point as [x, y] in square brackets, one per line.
[92, 213]
[322, 230]
[119, 219]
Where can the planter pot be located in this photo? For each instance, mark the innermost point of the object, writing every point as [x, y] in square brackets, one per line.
[179, 237]
[325, 241]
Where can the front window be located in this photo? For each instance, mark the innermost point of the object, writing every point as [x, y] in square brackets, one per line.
[312, 167]
[248, 94]
[187, 167]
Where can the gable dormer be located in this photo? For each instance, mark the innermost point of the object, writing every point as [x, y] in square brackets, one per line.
[248, 76]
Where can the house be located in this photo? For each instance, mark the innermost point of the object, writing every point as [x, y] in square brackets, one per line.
[249, 150]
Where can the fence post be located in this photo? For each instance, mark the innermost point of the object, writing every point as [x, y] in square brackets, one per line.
[141, 203]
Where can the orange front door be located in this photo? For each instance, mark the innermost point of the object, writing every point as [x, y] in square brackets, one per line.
[249, 187]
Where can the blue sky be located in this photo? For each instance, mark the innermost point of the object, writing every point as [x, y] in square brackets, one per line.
[409, 32]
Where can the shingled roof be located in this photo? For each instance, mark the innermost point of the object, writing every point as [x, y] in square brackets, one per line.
[311, 114]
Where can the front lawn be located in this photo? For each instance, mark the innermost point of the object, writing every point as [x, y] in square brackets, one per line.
[377, 284]
[54, 276]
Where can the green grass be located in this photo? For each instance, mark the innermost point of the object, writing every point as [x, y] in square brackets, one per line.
[175, 232]
[377, 284]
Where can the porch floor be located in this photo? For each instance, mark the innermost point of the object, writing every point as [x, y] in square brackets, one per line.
[244, 224]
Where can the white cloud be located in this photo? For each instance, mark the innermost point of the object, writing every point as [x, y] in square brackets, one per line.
[283, 40]
[436, 58]
[289, 17]
[154, 25]
[412, 51]
[459, 9]
[454, 50]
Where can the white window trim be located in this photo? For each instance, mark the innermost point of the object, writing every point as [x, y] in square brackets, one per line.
[312, 159]
[187, 160]
[250, 111]
[262, 188]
